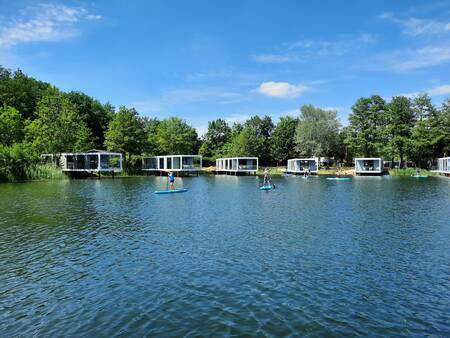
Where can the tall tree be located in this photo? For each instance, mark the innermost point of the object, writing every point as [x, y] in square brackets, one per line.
[126, 133]
[57, 127]
[401, 119]
[245, 143]
[442, 121]
[21, 92]
[426, 134]
[11, 126]
[317, 131]
[262, 129]
[365, 134]
[283, 139]
[93, 113]
[216, 137]
[176, 137]
[151, 129]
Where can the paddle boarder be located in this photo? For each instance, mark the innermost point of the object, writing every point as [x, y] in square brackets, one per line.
[267, 178]
[171, 178]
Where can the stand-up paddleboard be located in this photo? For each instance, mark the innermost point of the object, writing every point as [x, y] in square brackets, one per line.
[339, 178]
[419, 176]
[266, 187]
[174, 191]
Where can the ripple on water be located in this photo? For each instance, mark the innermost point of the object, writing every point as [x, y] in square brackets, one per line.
[368, 257]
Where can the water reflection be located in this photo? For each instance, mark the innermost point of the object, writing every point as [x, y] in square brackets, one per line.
[314, 257]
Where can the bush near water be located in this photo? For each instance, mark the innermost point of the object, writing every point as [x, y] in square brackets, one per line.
[36, 118]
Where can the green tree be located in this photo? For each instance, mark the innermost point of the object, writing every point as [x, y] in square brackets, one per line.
[426, 134]
[151, 129]
[11, 126]
[365, 135]
[176, 137]
[317, 131]
[57, 127]
[401, 119]
[442, 121]
[126, 133]
[95, 115]
[283, 139]
[216, 137]
[259, 142]
[21, 92]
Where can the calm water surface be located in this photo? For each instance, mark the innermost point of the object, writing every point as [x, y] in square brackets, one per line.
[314, 257]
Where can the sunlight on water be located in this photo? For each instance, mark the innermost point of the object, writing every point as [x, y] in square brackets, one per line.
[103, 258]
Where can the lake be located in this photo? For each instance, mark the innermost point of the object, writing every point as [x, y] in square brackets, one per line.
[108, 258]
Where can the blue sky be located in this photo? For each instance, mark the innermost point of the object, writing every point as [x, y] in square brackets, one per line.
[202, 60]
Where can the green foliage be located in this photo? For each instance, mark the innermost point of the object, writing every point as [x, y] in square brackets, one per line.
[57, 127]
[126, 132]
[218, 134]
[400, 117]
[365, 133]
[317, 132]
[15, 160]
[11, 126]
[21, 92]
[151, 129]
[443, 123]
[283, 139]
[251, 139]
[410, 172]
[95, 115]
[176, 137]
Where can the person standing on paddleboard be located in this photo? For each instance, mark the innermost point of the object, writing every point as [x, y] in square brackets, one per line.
[171, 178]
[267, 178]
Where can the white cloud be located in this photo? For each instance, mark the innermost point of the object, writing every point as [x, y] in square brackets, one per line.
[182, 96]
[43, 23]
[306, 49]
[414, 59]
[93, 17]
[415, 27]
[282, 89]
[436, 91]
[274, 58]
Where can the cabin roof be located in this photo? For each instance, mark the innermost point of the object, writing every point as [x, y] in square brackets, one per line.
[238, 158]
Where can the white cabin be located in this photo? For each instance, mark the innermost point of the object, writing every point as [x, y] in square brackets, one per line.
[300, 165]
[237, 165]
[91, 161]
[443, 166]
[175, 163]
[369, 166]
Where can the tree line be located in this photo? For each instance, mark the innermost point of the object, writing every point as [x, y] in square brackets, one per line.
[37, 118]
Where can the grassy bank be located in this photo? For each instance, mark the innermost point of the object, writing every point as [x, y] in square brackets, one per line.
[44, 172]
[31, 173]
[274, 171]
[410, 172]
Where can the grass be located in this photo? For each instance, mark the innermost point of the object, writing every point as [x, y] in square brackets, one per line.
[410, 172]
[274, 171]
[44, 172]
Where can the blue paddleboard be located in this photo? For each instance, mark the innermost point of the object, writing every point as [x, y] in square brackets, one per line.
[266, 187]
[339, 178]
[160, 192]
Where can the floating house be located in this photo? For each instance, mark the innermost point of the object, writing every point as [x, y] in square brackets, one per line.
[369, 166]
[92, 161]
[236, 165]
[300, 165]
[443, 166]
[175, 163]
